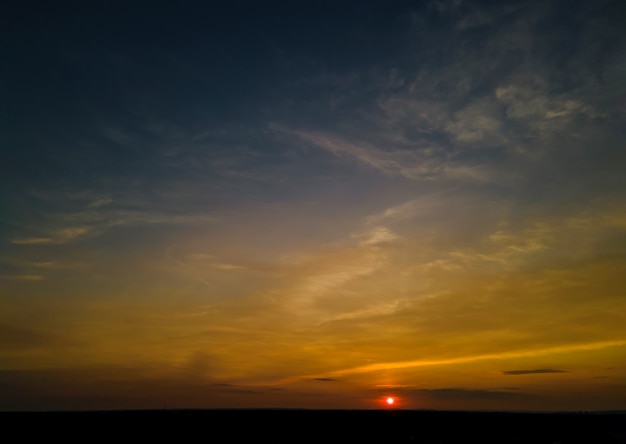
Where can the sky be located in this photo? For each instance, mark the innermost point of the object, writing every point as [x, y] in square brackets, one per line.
[313, 205]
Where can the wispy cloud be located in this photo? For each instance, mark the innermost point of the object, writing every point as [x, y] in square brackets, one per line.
[99, 220]
[411, 163]
[521, 244]
[22, 277]
[385, 308]
[333, 273]
[60, 236]
[229, 267]
[532, 372]
[424, 204]
[320, 284]
[375, 236]
[100, 202]
[33, 241]
[539, 110]
[386, 162]
[209, 261]
[477, 123]
[466, 359]
[52, 265]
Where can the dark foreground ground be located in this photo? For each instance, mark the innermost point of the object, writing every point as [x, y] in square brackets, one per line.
[297, 426]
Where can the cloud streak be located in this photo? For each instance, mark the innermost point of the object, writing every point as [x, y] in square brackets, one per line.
[532, 372]
[22, 277]
[467, 359]
[414, 164]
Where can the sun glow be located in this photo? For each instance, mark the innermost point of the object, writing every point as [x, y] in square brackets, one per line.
[390, 401]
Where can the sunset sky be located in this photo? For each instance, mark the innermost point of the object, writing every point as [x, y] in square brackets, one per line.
[313, 204]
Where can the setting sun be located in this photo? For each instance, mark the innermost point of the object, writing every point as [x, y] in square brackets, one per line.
[390, 401]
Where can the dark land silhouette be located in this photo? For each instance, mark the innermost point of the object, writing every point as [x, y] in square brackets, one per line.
[323, 426]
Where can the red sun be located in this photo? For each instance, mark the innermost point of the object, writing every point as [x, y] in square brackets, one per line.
[390, 401]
